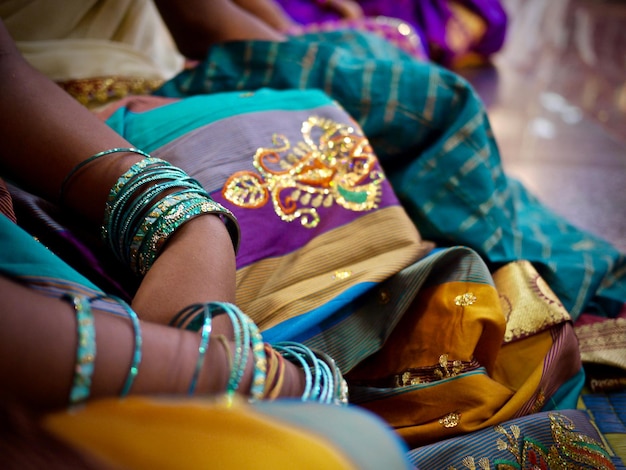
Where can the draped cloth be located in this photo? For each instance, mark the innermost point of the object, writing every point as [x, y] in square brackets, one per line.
[345, 161]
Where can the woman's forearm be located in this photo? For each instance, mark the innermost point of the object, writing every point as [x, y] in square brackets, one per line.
[38, 353]
[45, 133]
[197, 24]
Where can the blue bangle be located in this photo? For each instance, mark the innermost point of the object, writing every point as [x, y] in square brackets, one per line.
[82, 164]
[133, 370]
[205, 335]
[85, 349]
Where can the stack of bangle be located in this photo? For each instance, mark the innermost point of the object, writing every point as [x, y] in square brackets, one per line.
[148, 204]
[323, 380]
[246, 338]
[275, 376]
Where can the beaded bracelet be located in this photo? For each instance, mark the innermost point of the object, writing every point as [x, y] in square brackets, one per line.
[85, 349]
[96, 156]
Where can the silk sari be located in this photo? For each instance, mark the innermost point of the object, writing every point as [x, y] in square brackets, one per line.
[442, 344]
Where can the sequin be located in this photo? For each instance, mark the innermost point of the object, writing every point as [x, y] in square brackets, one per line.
[465, 300]
[340, 275]
[451, 420]
[384, 296]
[333, 164]
[570, 449]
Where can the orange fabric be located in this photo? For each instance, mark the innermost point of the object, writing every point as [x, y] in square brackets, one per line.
[430, 397]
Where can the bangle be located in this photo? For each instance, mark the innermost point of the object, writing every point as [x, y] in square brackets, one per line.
[275, 373]
[133, 370]
[247, 337]
[82, 164]
[323, 380]
[202, 348]
[85, 349]
[146, 206]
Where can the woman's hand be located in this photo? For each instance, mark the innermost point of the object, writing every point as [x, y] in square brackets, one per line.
[348, 9]
[196, 25]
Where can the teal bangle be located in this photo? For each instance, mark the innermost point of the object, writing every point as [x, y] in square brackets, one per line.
[284, 350]
[246, 337]
[259, 375]
[84, 163]
[205, 335]
[136, 224]
[85, 349]
[323, 380]
[133, 370]
[242, 348]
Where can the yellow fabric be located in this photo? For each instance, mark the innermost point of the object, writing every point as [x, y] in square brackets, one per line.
[145, 433]
[462, 321]
[74, 39]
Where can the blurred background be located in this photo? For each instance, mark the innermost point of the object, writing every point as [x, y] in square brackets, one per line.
[556, 97]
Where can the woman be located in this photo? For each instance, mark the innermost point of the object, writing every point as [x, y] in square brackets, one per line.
[328, 255]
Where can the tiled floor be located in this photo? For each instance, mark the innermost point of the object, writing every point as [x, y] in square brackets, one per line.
[556, 97]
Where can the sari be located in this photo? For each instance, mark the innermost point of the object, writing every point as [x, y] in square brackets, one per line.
[343, 157]
[178, 432]
[455, 33]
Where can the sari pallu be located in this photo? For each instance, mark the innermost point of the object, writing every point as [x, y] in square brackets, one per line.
[346, 272]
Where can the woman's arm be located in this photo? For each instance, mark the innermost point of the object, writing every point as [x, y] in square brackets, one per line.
[45, 133]
[38, 338]
[197, 24]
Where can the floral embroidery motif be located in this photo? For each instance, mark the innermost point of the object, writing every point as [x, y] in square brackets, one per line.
[465, 300]
[571, 450]
[334, 163]
[451, 420]
[456, 367]
[445, 369]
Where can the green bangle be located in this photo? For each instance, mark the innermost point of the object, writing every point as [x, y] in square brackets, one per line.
[82, 164]
[85, 349]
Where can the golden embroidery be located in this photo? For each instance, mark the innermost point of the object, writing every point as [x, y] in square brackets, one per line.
[529, 304]
[465, 300]
[451, 420]
[408, 379]
[384, 296]
[340, 275]
[540, 400]
[422, 375]
[470, 463]
[603, 342]
[100, 90]
[569, 451]
[334, 163]
[443, 372]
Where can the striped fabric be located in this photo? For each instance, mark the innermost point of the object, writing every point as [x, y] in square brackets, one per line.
[433, 138]
[545, 440]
